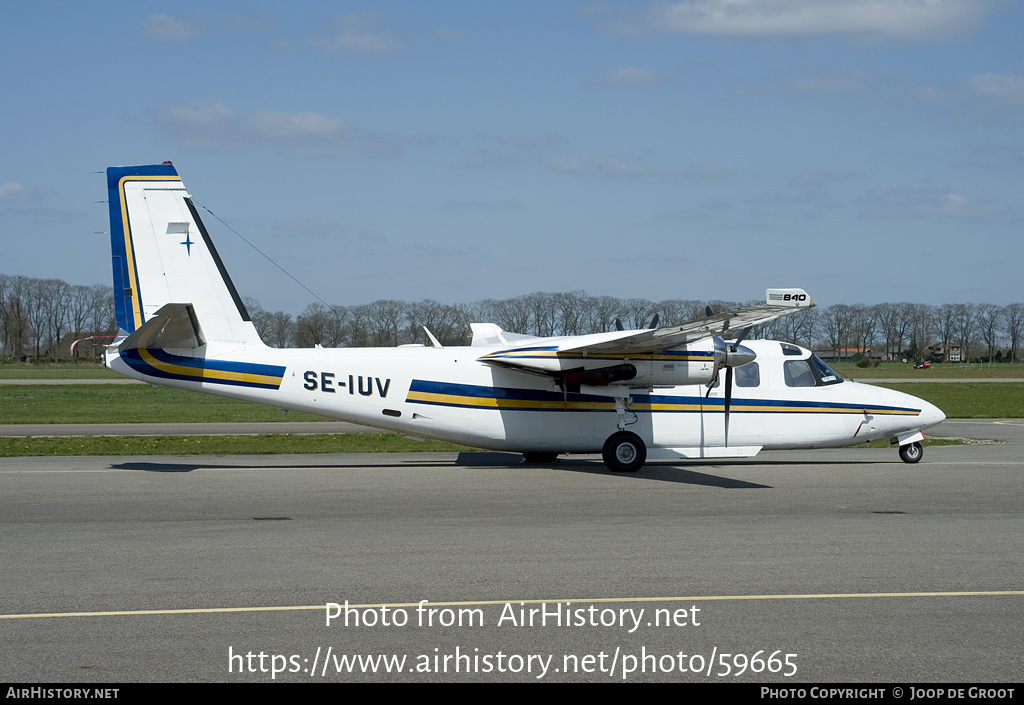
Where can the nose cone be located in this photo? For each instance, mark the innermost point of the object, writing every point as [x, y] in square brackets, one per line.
[931, 415]
[742, 356]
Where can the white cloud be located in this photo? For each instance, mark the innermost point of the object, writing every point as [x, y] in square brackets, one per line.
[216, 127]
[1002, 87]
[502, 151]
[275, 124]
[842, 82]
[601, 165]
[13, 191]
[169, 29]
[360, 33]
[505, 204]
[817, 179]
[631, 76]
[707, 172]
[927, 202]
[892, 19]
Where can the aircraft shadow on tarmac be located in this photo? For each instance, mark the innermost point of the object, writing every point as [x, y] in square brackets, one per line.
[658, 471]
[513, 461]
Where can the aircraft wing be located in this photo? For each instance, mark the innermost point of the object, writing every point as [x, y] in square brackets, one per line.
[778, 303]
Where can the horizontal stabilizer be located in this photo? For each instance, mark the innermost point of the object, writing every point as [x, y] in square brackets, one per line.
[491, 334]
[174, 326]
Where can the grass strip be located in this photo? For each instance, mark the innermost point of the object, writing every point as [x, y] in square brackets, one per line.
[943, 370]
[262, 444]
[131, 403]
[966, 400]
[58, 371]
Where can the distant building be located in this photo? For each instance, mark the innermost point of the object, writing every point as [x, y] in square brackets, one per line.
[90, 346]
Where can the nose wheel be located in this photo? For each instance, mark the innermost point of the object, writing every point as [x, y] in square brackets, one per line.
[624, 452]
[911, 453]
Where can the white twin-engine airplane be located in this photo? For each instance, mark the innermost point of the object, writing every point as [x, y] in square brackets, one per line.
[631, 395]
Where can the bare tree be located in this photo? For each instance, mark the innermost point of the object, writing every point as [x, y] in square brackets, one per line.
[603, 311]
[990, 318]
[384, 318]
[320, 325]
[571, 310]
[836, 323]
[965, 324]
[944, 318]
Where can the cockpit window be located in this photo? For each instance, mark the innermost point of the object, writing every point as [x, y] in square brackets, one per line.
[798, 373]
[748, 375]
[812, 372]
[826, 375]
[788, 349]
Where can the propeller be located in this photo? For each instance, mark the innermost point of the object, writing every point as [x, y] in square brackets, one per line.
[729, 356]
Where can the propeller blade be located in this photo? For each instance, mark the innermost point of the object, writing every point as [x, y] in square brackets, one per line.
[654, 321]
[618, 324]
[743, 334]
[728, 401]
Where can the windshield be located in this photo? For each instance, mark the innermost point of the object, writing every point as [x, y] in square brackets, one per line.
[812, 372]
[826, 375]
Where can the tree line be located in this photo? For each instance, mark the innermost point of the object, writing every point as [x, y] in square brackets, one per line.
[36, 314]
[891, 331]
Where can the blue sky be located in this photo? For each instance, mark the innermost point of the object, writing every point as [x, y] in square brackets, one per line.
[865, 150]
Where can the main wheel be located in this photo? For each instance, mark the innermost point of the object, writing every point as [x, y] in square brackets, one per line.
[911, 453]
[540, 457]
[624, 452]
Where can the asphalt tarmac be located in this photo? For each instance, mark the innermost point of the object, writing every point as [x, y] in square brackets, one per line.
[793, 567]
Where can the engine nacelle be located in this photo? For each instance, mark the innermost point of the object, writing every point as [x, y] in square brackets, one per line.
[645, 373]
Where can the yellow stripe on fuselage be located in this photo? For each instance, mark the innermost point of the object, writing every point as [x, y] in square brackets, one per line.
[558, 405]
[199, 374]
[494, 403]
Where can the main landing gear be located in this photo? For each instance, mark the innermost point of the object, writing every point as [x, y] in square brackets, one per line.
[911, 453]
[624, 452]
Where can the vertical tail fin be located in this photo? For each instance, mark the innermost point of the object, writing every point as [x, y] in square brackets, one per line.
[163, 255]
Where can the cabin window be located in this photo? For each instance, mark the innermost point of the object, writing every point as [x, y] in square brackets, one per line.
[748, 375]
[798, 373]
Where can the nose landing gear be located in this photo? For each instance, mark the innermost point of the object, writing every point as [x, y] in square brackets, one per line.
[911, 452]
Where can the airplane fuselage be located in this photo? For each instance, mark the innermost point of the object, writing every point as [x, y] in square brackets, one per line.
[447, 394]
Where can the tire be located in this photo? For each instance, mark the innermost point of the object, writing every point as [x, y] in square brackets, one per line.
[624, 452]
[539, 458]
[911, 453]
